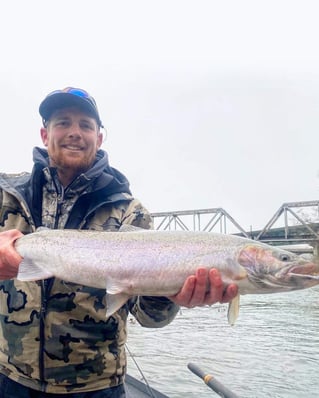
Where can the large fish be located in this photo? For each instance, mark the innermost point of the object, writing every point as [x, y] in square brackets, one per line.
[157, 263]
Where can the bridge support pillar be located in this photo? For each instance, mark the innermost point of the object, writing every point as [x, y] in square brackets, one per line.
[315, 246]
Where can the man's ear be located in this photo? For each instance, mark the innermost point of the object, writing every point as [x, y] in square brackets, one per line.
[44, 136]
[99, 139]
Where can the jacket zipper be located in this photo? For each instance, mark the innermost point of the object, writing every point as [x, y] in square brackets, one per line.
[60, 200]
[42, 323]
[45, 291]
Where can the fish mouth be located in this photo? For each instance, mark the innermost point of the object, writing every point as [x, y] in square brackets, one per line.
[299, 275]
[291, 277]
[308, 271]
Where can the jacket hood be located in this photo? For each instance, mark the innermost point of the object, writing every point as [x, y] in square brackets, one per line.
[101, 170]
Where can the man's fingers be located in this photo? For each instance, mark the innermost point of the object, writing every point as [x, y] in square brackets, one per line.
[200, 288]
[184, 296]
[204, 288]
[215, 293]
[9, 257]
[230, 292]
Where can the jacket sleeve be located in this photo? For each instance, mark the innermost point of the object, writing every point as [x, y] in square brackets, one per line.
[151, 312]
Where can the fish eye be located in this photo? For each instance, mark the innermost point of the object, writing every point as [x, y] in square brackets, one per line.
[284, 257]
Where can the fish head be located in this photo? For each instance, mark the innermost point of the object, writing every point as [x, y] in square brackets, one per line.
[271, 269]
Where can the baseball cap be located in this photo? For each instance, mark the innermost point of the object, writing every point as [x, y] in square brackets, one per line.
[69, 96]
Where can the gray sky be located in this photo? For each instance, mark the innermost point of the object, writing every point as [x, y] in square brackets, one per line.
[206, 103]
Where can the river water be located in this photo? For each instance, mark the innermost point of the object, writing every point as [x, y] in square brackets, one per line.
[271, 351]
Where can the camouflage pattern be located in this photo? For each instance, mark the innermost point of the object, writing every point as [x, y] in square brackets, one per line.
[54, 336]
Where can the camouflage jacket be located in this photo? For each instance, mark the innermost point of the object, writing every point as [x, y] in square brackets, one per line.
[54, 336]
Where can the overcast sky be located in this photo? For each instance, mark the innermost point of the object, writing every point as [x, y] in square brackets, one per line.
[207, 103]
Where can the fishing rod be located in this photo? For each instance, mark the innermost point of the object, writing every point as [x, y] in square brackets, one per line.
[141, 372]
[211, 381]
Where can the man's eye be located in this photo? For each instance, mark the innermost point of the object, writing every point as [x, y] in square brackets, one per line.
[87, 126]
[62, 123]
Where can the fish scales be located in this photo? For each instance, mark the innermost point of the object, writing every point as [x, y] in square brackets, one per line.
[157, 263]
[132, 255]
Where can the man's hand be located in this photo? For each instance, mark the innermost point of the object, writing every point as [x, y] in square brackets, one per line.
[194, 291]
[9, 257]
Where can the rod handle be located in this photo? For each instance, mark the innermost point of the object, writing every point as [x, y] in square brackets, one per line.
[212, 382]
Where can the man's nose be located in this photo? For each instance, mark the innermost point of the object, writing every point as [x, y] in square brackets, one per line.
[75, 130]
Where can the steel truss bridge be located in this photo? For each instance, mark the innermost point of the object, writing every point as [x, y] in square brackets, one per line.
[294, 223]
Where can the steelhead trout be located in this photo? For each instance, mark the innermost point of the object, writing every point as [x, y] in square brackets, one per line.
[156, 263]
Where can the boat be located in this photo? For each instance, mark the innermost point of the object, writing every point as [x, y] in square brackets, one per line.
[137, 389]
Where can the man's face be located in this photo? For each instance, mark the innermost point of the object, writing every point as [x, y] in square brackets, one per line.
[72, 139]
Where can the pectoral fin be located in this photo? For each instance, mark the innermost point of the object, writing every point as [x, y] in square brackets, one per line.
[233, 310]
[116, 295]
[115, 302]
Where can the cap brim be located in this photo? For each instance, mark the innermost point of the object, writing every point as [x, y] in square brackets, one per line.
[64, 100]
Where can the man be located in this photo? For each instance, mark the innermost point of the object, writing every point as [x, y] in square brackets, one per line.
[55, 339]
